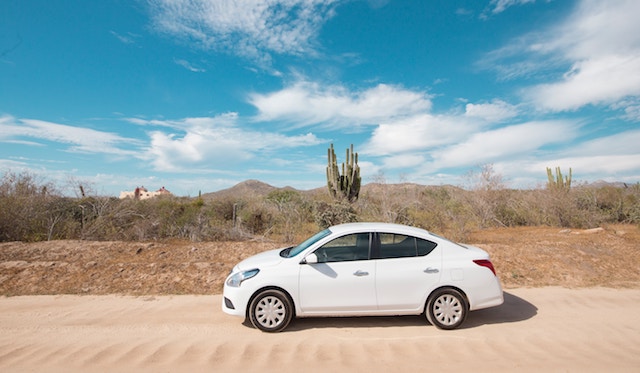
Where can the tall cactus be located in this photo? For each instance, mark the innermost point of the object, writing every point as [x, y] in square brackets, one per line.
[346, 185]
[558, 182]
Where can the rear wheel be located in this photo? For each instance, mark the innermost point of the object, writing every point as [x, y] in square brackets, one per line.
[271, 311]
[446, 309]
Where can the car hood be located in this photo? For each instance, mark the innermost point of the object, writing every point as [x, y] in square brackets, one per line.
[264, 259]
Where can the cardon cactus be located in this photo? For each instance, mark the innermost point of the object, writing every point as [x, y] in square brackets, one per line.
[558, 182]
[346, 185]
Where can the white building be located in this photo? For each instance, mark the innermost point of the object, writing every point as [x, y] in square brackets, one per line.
[142, 193]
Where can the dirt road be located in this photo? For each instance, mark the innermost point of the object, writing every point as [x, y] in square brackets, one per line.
[537, 329]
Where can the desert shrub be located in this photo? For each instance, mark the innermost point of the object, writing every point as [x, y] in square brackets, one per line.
[513, 209]
[289, 210]
[106, 218]
[487, 196]
[25, 200]
[431, 212]
[560, 208]
[255, 219]
[176, 218]
[609, 204]
[631, 204]
[328, 214]
[62, 218]
[32, 209]
[222, 209]
[383, 205]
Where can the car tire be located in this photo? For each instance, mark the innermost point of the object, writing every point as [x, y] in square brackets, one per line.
[446, 309]
[271, 311]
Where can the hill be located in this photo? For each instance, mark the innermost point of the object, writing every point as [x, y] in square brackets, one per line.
[247, 188]
[255, 188]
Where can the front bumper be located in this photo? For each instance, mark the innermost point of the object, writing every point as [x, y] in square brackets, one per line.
[235, 300]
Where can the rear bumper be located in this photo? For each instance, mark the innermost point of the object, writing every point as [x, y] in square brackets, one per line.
[489, 295]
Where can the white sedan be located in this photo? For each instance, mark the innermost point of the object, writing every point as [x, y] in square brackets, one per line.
[363, 269]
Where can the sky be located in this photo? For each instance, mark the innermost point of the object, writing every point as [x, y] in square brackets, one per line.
[199, 95]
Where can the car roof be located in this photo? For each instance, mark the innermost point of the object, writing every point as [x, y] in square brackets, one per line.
[378, 227]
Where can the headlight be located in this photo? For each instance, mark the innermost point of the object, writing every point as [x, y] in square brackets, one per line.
[236, 279]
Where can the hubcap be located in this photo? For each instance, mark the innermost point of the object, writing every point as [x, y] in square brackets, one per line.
[270, 311]
[447, 309]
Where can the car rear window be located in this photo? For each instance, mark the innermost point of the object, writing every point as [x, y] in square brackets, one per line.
[401, 246]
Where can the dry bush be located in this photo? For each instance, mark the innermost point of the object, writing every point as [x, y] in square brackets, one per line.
[32, 211]
[29, 208]
[290, 210]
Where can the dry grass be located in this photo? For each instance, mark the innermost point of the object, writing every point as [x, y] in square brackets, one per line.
[551, 256]
[528, 256]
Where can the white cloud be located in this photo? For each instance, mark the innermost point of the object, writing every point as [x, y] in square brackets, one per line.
[595, 28]
[500, 6]
[631, 110]
[597, 46]
[129, 38]
[418, 133]
[593, 165]
[612, 158]
[83, 140]
[496, 111]
[404, 161]
[210, 143]
[251, 28]
[306, 103]
[189, 66]
[603, 80]
[503, 143]
[623, 143]
[9, 164]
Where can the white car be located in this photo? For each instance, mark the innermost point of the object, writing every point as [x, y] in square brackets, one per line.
[363, 269]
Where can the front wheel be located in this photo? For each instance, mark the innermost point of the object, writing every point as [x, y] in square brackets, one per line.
[271, 311]
[446, 309]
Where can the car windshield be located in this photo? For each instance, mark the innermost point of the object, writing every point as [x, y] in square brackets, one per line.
[308, 242]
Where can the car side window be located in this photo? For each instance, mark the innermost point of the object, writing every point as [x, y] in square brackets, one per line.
[346, 248]
[425, 247]
[402, 246]
[396, 246]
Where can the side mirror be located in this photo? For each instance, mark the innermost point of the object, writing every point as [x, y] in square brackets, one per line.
[310, 259]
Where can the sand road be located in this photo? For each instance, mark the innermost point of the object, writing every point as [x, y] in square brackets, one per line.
[550, 329]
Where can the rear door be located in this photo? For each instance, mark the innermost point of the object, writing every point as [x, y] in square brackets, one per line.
[407, 268]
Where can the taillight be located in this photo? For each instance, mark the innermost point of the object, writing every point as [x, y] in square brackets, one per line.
[486, 263]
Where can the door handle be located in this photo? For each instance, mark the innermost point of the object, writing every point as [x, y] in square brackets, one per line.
[431, 270]
[360, 273]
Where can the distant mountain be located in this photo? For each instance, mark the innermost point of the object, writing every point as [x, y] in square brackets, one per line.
[258, 189]
[602, 183]
[247, 188]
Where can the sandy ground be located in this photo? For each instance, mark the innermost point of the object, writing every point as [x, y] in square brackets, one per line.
[537, 329]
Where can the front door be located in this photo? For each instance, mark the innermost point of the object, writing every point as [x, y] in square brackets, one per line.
[343, 280]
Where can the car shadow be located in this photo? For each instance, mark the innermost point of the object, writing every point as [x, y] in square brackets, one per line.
[514, 309]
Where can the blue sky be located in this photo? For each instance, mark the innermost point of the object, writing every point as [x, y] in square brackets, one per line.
[199, 95]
